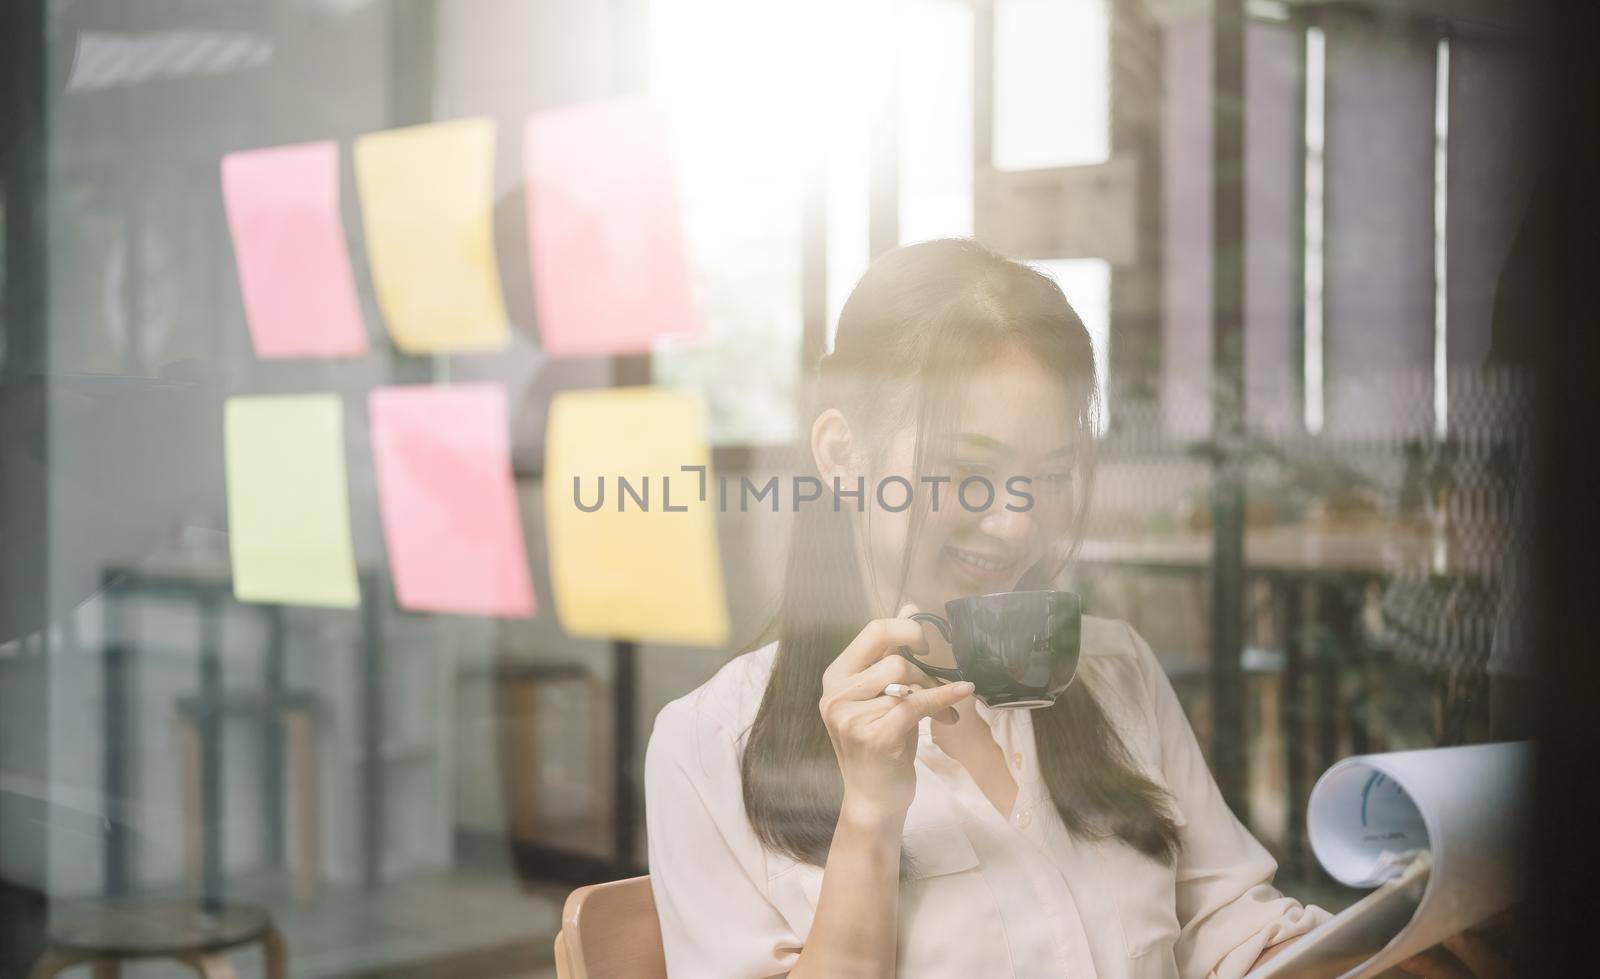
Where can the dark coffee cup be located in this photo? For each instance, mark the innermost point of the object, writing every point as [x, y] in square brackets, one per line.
[1017, 648]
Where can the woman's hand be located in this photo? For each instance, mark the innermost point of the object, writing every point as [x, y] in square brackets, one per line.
[1482, 952]
[875, 738]
[875, 735]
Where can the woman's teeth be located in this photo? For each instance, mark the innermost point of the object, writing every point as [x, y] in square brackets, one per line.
[988, 566]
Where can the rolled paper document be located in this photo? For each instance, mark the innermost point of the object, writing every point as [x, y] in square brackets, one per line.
[1467, 808]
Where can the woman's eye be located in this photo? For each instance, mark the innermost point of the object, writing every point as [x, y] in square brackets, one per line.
[964, 469]
[1056, 480]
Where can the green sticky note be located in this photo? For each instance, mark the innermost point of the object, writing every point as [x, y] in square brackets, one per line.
[288, 508]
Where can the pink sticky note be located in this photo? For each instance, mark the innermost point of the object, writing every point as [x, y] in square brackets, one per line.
[449, 506]
[294, 272]
[604, 230]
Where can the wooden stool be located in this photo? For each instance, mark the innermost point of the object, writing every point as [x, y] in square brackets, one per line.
[518, 685]
[297, 711]
[103, 936]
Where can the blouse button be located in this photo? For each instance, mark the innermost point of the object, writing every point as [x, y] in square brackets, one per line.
[1016, 760]
[1023, 819]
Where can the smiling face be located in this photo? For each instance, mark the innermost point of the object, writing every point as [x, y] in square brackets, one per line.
[1013, 429]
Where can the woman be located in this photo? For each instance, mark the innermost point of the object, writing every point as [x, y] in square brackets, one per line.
[804, 821]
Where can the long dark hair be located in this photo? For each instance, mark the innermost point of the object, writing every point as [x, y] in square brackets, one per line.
[921, 317]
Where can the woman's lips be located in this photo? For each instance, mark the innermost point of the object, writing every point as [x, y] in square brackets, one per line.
[981, 566]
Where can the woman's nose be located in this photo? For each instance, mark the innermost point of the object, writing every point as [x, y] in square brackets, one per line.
[1011, 526]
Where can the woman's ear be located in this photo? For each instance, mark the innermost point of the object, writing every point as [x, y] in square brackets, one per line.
[833, 448]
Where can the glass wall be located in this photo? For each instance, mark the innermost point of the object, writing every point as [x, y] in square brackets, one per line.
[315, 308]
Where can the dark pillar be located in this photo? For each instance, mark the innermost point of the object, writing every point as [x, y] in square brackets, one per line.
[1227, 401]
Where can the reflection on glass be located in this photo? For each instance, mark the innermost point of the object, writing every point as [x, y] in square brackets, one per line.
[1052, 88]
[388, 782]
[936, 121]
[849, 243]
[1441, 194]
[1087, 285]
[1316, 87]
[730, 79]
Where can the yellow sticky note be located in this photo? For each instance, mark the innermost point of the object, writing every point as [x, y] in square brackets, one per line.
[427, 204]
[288, 509]
[650, 571]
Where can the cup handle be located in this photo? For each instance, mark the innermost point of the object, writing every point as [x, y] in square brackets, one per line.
[941, 672]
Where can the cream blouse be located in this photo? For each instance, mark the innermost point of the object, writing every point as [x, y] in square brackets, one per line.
[988, 895]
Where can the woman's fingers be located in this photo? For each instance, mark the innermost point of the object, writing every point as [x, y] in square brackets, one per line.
[872, 643]
[1478, 955]
[869, 683]
[1428, 966]
[911, 710]
[1479, 958]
